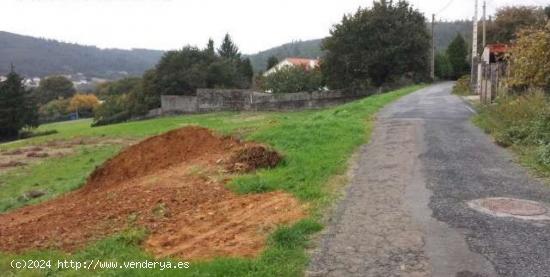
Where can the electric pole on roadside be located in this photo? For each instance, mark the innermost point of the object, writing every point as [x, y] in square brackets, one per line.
[473, 77]
[483, 20]
[432, 69]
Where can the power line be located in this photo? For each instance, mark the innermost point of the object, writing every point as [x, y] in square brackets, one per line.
[445, 7]
[538, 3]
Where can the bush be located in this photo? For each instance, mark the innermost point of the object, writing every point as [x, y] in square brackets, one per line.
[530, 59]
[462, 86]
[293, 79]
[522, 121]
[30, 134]
[543, 154]
[55, 110]
[83, 104]
[116, 118]
[115, 109]
[119, 87]
[519, 119]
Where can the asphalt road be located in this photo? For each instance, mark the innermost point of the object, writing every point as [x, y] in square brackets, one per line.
[405, 210]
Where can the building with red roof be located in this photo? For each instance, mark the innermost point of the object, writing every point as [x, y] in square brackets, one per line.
[305, 63]
[495, 52]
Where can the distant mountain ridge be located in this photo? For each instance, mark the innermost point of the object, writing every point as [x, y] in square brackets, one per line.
[37, 57]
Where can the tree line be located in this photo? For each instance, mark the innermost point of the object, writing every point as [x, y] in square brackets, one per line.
[178, 72]
[508, 22]
[387, 43]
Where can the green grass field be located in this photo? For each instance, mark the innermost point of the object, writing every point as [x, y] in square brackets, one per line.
[316, 146]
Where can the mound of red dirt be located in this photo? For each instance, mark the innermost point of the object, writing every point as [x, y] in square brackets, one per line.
[151, 155]
[173, 185]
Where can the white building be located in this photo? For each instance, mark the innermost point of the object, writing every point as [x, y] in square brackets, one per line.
[308, 64]
[31, 82]
[3, 78]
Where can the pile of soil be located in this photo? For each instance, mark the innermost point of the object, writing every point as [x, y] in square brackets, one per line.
[174, 186]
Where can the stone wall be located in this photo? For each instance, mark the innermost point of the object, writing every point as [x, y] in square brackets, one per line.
[213, 100]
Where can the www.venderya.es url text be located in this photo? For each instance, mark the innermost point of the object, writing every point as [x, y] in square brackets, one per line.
[97, 264]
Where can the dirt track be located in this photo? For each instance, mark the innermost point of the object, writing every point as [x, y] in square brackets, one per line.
[172, 185]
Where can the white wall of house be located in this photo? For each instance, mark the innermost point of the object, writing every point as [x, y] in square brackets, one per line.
[278, 67]
[285, 63]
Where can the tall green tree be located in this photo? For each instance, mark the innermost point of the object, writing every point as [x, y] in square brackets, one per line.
[228, 49]
[17, 108]
[182, 72]
[510, 20]
[179, 72]
[210, 47]
[377, 45]
[271, 62]
[246, 69]
[457, 53]
[54, 87]
[443, 68]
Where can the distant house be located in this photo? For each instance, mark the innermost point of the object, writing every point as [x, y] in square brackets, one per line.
[31, 82]
[494, 53]
[491, 71]
[3, 78]
[308, 64]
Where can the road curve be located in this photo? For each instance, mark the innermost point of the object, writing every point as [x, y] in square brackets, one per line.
[405, 211]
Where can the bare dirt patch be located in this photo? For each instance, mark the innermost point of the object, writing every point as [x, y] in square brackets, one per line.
[10, 159]
[172, 185]
[11, 164]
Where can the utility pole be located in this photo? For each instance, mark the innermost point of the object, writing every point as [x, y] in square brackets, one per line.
[473, 77]
[432, 69]
[483, 20]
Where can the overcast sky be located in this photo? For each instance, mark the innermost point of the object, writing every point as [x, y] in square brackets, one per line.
[170, 24]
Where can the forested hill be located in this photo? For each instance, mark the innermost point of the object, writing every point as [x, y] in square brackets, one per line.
[35, 57]
[445, 33]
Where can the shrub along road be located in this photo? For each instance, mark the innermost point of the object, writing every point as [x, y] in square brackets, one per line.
[406, 209]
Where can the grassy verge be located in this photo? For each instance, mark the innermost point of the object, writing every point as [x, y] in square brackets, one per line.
[316, 146]
[521, 123]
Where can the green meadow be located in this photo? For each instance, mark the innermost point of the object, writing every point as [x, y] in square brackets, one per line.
[316, 146]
